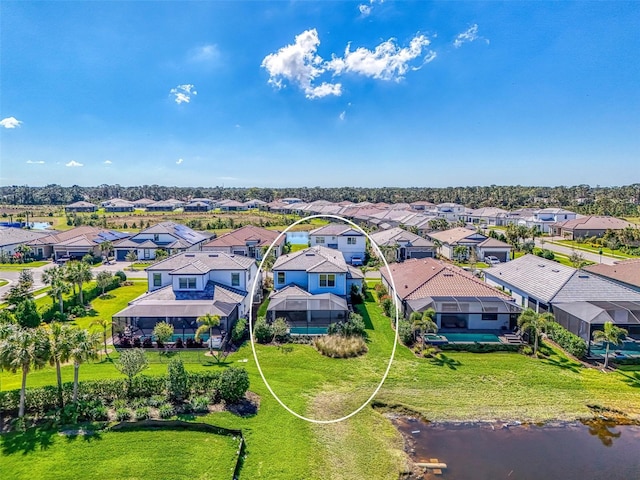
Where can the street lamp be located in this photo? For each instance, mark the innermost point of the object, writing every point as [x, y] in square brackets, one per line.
[600, 253]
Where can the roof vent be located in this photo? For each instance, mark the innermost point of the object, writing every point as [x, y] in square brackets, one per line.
[189, 255]
[406, 286]
[555, 270]
[541, 265]
[213, 255]
[583, 276]
[448, 274]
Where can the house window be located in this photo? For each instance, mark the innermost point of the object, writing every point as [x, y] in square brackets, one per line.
[157, 279]
[492, 317]
[156, 237]
[280, 278]
[351, 240]
[449, 307]
[319, 239]
[327, 280]
[187, 283]
[235, 279]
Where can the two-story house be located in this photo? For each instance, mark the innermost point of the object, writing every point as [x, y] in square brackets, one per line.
[311, 288]
[170, 236]
[406, 244]
[189, 285]
[250, 241]
[348, 240]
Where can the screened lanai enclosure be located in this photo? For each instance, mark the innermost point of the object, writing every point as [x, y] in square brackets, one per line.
[307, 314]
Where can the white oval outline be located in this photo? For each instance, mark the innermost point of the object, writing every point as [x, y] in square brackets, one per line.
[253, 347]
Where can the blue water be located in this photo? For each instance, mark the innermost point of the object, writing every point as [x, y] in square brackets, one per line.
[472, 337]
[308, 330]
[39, 225]
[627, 349]
[298, 238]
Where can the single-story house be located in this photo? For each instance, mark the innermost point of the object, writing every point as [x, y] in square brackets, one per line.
[11, 238]
[165, 205]
[118, 205]
[143, 203]
[231, 206]
[589, 226]
[74, 243]
[249, 241]
[470, 239]
[626, 272]
[197, 206]
[80, 206]
[187, 286]
[407, 245]
[461, 301]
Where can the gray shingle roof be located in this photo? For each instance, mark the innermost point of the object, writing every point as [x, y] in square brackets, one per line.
[12, 236]
[585, 286]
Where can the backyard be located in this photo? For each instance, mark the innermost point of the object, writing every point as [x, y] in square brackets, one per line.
[452, 387]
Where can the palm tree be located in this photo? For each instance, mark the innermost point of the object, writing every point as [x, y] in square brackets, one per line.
[55, 278]
[536, 323]
[60, 347]
[104, 324]
[79, 273]
[209, 322]
[106, 247]
[423, 323]
[24, 349]
[611, 335]
[84, 347]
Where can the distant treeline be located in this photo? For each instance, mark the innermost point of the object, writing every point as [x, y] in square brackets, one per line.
[617, 201]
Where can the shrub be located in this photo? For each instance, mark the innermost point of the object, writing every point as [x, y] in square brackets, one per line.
[405, 332]
[380, 290]
[352, 327]
[147, 343]
[204, 383]
[262, 331]
[137, 343]
[177, 381]
[155, 400]
[166, 411]
[121, 276]
[98, 413]
[280, 330]
[179, 343]
[163, 332]
[123, 414]
[387, 306]
[336, 346]
[239, 331]
[142, 413]
[234, 383]
[356, 295]
[200, 404]
[526, 350]
[571, 343]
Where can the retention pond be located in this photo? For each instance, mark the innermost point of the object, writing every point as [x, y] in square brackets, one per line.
[516, 452]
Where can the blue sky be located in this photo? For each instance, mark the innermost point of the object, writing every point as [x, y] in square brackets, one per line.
[364, 93]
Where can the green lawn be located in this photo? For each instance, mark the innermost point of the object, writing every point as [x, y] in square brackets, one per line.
[20, 266]
[587, 247]
[456, 387]
[140, 454]
[297, 248]
[3, 282]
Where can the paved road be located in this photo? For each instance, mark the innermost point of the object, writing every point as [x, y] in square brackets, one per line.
[592, 257]
[12, 275]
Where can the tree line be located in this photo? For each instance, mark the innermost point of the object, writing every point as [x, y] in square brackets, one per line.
[616, 201]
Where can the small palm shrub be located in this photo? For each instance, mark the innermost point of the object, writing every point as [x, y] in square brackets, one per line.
[123, 414]
[200, 404]
[142, 413]
[166, 411]
[336, 346]
[98, 413]
[262, 331]
[156, 400]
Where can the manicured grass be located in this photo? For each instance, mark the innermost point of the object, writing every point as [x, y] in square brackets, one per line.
[112, 303]
[16, 267]
[297, 248]
[139, 265]
[455, 386]
[262, 310]
[587, 247]
[140, 454]
[3, 282]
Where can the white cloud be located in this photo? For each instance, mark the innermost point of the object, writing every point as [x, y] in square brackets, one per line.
[179, 161]
[10, 122]
[342, 115]
[107, 162]
[469, 35]
[386, 62]
[299, 64]
[182, 93]
[365, 10]
[204, 53]
[35, 162]
[73, 163]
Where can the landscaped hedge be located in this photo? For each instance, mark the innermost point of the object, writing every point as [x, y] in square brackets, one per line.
[42, 399]
[479, 347]
[571, 343]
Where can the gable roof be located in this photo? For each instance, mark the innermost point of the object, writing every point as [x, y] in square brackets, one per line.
[627, 271]
[585, 286]
[94, 234]
[177, 230]
[422, 278]
[336, 229]
[595, 222]
[81, 204]
[454, 235]
[397, 235]
[241, 236]
[314, 259]
[12, 235]
[493, 243]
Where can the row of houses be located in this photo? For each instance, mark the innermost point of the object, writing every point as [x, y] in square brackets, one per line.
[193, 205]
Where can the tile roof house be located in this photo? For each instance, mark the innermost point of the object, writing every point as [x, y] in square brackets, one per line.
[626, 272]
[541, 284]
[165, 205]
[406, 244]
[350, 241]
[118, 205]
[486, 215]
[461, 301]
[74, 243]
[11, 238]
[545, 218]
[189, 285]
[589, 226]
[143, 203]
[81, 206]
[170, 236]
[460, 236]
[249, 241]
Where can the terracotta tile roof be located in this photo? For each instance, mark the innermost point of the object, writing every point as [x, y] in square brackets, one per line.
[595, 222]
[240, 237]
[453, 235]
[627, 271]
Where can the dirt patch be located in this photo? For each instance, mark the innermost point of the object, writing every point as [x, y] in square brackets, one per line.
[246, 407]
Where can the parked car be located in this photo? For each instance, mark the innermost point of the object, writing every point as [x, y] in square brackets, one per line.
[491, 260]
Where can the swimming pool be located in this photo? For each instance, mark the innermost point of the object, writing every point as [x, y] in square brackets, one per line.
[308, 330]
[472, 337]
[627, 349]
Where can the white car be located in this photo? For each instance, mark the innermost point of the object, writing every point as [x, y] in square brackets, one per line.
[491, 260]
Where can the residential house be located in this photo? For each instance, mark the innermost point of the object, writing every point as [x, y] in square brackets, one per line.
[422, 205]
[486, 216]
[189, 285]
[625, 273]
[197, 206]
[484, 246]
[460, 300]
[406, 244]
[169, 236]
[11, 238]
[118, 205]
[249, 241]
[143, 203]
[74, 243]
[165, 205]
[544, 285]
[255, 203]
[349, 241]
[545, 218]
[311, 289]
[231, 206]
[589, 226]
[452, 212]
[81, 206]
